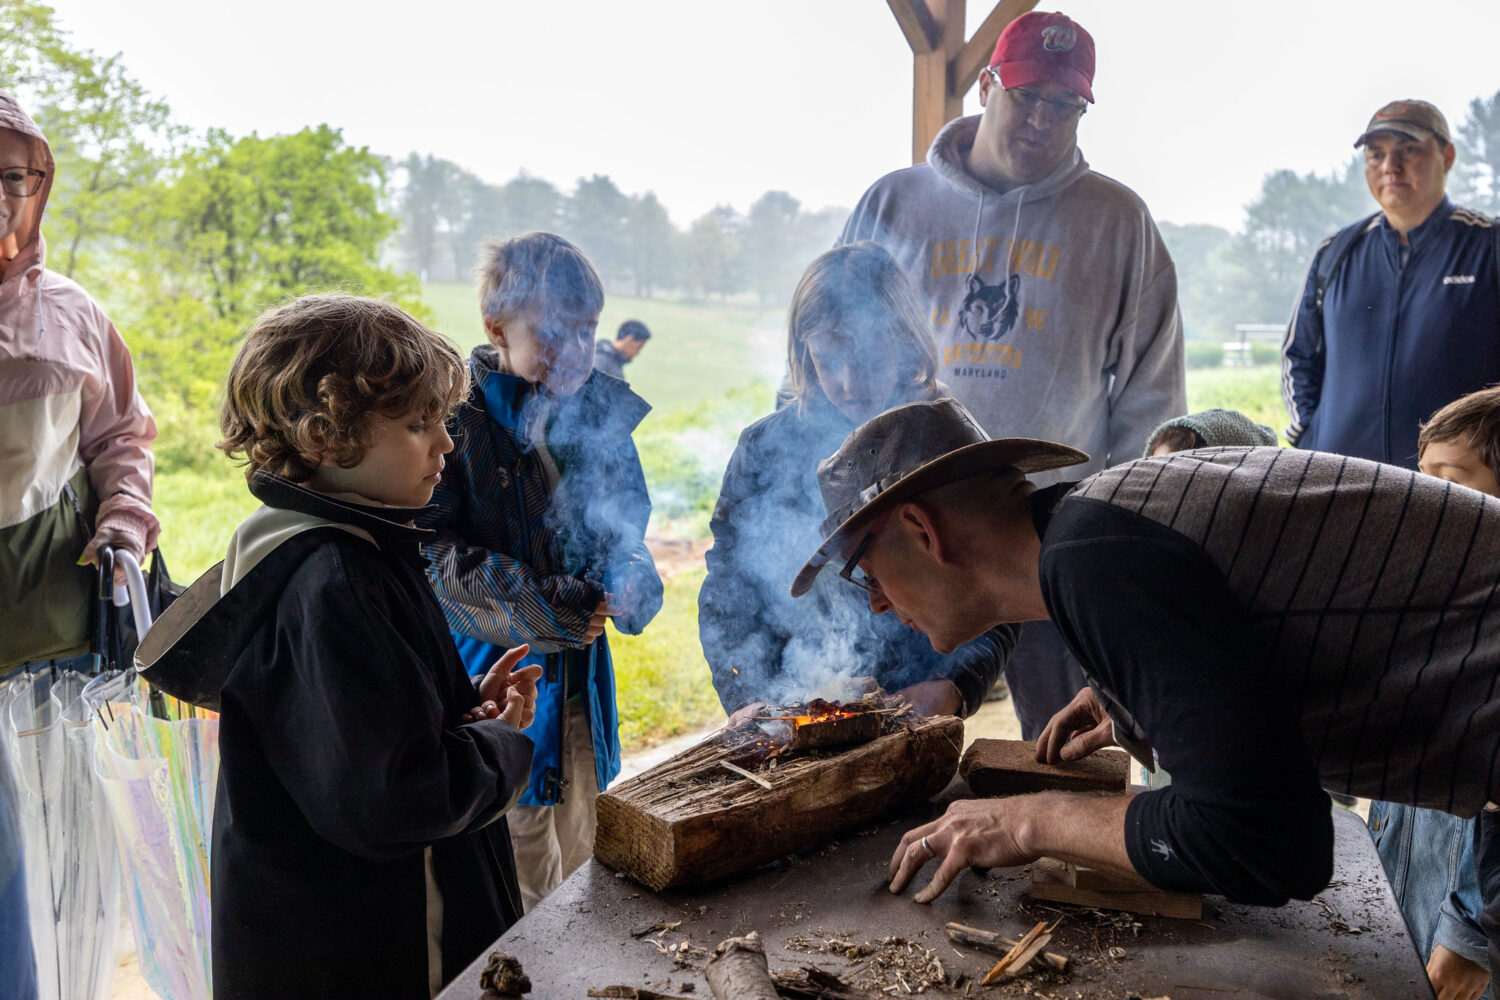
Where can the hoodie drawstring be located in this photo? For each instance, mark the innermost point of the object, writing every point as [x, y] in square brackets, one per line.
[41, 320]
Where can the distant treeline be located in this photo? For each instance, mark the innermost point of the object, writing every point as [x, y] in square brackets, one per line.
[445, 211]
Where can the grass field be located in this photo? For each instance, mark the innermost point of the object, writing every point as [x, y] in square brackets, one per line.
[709, 370]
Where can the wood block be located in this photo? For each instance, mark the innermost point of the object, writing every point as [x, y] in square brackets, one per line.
[689, 821]
[1095, 878]
[1049, 881]
[1009, 767]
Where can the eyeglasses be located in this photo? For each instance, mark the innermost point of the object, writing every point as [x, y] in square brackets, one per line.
[1029, 101]
[21, 182]
[851, 570]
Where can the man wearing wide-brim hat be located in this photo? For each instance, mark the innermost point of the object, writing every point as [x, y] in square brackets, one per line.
[1262, 622]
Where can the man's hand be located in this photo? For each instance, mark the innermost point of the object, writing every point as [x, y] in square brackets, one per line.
[1077, 731]
[1087, 830]
[939, 697]
[1455, 977]
[744, 712]
[506, 693]
[980, 832]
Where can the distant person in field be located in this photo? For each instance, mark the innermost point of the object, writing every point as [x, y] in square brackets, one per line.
[1400, 313]
[75, 435]
[1051, 292]
[541, 521]
[856, 345]
[611, 356]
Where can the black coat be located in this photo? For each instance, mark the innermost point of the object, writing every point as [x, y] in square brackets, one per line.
[343, 759]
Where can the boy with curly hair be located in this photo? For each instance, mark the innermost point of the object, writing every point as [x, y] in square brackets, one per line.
[359, 847]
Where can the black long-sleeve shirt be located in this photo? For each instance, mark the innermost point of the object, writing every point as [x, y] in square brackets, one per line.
[1272, 623]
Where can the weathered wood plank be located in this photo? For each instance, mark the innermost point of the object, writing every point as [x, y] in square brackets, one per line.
[688, 821]
[1049, 881]
[1009, 767]
[916, 23]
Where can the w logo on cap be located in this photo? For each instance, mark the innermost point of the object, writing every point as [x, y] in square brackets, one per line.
[1395, 109]
[1059, 38]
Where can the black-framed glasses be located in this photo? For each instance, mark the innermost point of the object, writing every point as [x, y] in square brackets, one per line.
[851, 570]
[21, 182]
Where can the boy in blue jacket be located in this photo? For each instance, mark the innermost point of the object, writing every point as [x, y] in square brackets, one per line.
[540, 522]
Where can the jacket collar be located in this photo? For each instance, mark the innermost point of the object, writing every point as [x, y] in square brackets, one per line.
[603, 406]
[1423, 231]
[384, 524]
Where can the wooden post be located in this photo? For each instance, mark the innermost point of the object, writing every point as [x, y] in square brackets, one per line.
[944, 66]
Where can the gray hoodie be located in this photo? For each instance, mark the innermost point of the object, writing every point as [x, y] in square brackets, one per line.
[1054, 304]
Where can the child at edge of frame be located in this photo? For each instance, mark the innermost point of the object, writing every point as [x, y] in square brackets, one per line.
[359, 845]
[1429, 855]
[540, 532]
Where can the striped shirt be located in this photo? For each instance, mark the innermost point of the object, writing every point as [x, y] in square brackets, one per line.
[1363, 594]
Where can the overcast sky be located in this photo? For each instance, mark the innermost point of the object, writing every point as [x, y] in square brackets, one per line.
[707, 102]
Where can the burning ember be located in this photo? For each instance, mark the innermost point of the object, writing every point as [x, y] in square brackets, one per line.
[817, 724]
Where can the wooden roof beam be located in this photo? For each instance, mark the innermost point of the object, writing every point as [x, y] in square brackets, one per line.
[917, 24]
[975, 55]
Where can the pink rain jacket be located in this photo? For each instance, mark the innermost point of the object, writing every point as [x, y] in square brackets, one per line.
[68, 398]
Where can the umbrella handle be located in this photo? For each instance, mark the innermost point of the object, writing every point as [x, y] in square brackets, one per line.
[134, 591]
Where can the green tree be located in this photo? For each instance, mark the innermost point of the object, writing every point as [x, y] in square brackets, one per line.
[768, 246]
[528, 203]
[237, 226]
[1476, 175]
[109, 137]
[598, 220]
[712, 251]
[651, 240]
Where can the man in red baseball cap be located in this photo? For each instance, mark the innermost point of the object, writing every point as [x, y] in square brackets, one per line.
[1051, 294]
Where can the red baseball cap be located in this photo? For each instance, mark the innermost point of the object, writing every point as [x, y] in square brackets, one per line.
[1046, 48]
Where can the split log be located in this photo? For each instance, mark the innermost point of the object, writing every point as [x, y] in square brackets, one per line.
[999, 944]
[836, 732]
[689, 821]
[1049, 881]
[738, 971]
[1009, 767]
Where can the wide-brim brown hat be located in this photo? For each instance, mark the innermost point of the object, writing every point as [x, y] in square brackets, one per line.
[903, 453]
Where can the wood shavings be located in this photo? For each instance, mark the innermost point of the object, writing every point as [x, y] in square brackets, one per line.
[892, 965]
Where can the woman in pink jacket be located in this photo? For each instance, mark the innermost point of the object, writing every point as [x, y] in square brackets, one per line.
[75, 436]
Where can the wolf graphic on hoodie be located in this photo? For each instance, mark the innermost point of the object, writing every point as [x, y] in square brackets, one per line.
[70, 415]
[1054, 303]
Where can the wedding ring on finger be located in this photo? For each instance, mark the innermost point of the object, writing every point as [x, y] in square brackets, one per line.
[928, 848]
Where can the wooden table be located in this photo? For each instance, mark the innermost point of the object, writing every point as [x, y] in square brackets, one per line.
[1350, 942]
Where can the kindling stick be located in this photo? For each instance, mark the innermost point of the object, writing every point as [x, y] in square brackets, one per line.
[762, 782]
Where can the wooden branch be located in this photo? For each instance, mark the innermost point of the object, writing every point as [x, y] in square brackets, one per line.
[984, 940]
[916, 23]
[738, 971]
[812, 983]
[975, 55]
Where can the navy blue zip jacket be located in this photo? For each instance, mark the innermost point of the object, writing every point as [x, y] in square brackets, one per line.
[515, 561]
[1393, 344]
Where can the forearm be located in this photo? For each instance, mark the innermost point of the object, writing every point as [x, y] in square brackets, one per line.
[1086, 830]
